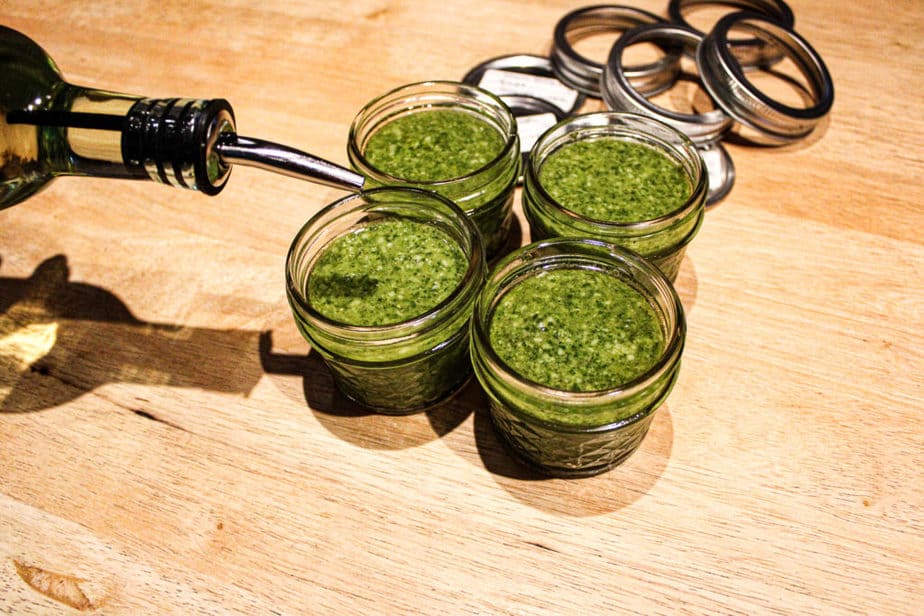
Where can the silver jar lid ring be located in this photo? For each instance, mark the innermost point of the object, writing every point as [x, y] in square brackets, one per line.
[750, 52]
[724, 78]
[584, 74]
[620, 95]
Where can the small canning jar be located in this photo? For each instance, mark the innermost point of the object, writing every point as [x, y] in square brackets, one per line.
[568, 433]
[485, 193]
[663, 239]
[402, 367]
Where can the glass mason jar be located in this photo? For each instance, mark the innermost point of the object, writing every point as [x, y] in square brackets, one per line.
[661, 240]
[485, 193]
[396, 368]
[576, 433]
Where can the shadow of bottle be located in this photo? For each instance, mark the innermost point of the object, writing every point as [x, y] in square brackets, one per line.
[60, 339]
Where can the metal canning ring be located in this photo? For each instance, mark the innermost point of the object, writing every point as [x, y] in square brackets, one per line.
[723, 77]
[620, 95]
[750, 52]
[584, 74]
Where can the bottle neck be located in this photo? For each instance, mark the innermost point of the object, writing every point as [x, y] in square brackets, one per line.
[106, 134]
[173, 141]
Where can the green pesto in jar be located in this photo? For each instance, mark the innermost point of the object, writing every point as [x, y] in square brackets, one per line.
[614, 180]
[576, 330]
[428, 146]
[385, 273]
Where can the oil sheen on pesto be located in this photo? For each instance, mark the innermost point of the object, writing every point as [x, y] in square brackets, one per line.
[427, 146]
[576, 330]
[614, 180]
[385, 273]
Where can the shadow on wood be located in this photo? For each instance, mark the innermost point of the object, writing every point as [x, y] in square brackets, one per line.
[60, 339]
[600, 494]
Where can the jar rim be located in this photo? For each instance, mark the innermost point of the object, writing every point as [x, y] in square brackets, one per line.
[368, 201]
[515, 267]
[599, 122]
[433, 87]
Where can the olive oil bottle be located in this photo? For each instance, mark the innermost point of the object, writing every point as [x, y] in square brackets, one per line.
[50, 128]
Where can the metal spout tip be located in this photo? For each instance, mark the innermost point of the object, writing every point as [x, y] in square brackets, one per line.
[233, 148]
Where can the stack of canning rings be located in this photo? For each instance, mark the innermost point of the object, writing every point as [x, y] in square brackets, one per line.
[722, 63]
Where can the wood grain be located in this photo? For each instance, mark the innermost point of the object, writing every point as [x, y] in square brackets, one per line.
[168, 443]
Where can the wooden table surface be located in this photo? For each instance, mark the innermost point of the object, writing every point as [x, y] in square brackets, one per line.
[167, 443]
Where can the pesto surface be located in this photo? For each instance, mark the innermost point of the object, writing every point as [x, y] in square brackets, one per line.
[427, 146]
[614, 180]
[576, 330]
[385, 273]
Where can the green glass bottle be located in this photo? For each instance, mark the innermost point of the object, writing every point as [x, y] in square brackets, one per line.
[50, 128]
